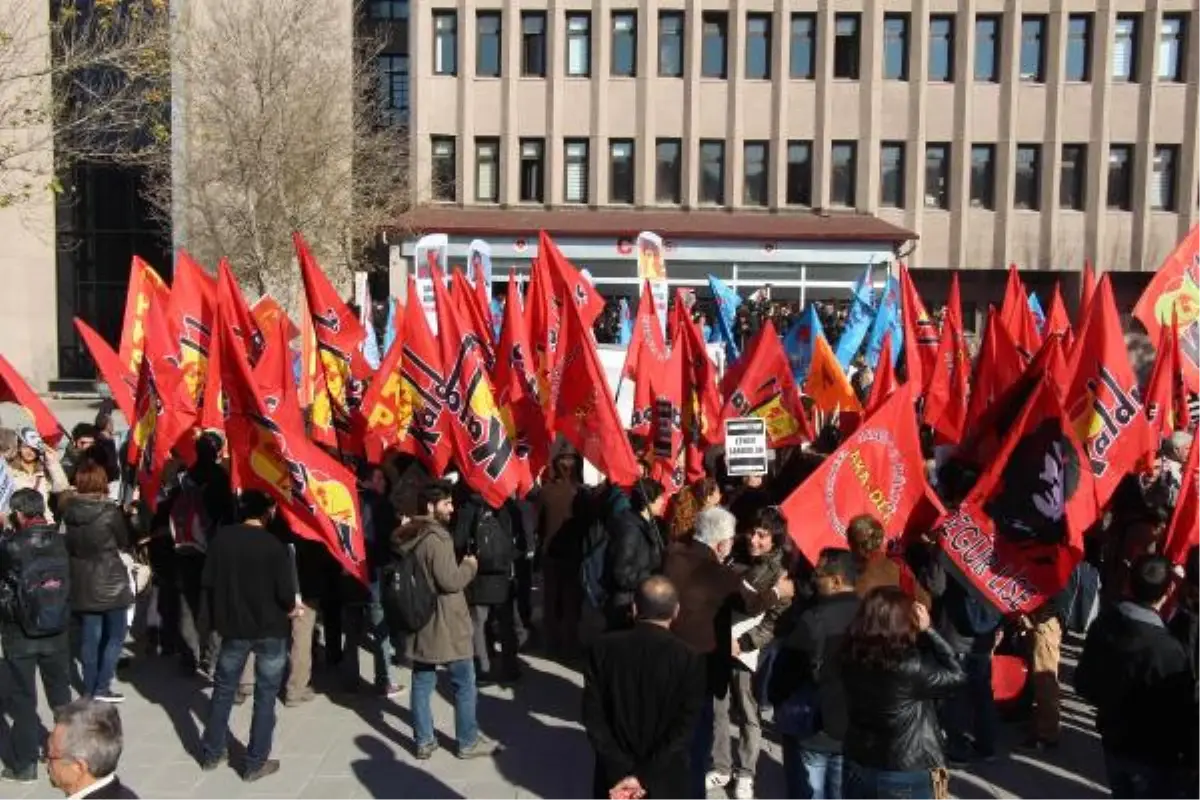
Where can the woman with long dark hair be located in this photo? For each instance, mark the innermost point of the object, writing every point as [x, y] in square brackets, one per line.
[894, 667]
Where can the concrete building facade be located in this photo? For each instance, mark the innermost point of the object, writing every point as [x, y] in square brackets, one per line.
[1040, 132]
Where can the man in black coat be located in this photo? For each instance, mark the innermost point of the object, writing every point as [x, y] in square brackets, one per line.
[642, 693]
[487, 534]
[1140, 679]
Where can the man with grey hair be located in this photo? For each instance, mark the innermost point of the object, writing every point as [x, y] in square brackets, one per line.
[83, 750]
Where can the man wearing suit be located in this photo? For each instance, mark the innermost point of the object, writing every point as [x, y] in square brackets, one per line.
[83, 751]
[642, 693]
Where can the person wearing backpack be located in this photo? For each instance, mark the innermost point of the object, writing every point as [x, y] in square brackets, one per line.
[635, 549]
[423, 597]
[486, 533]
[35, 613]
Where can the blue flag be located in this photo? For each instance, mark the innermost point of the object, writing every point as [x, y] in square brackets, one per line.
[798, 342]
[497, 314]
[858, 321]
[1039, 315]
[887, 320]
[727, 306]
[625, 330]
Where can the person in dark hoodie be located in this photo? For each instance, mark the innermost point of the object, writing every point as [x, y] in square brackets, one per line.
[1140, 680]
[97, 533]
[635, 548]
[806, 684]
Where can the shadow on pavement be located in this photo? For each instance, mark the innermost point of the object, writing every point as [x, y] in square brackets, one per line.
[383, 775]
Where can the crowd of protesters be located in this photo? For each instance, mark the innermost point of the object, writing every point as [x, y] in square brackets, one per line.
[689, 616]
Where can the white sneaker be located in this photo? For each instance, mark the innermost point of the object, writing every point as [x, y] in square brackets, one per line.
[716, 779]
[743, 788]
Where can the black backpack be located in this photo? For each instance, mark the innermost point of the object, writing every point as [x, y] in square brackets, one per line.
[493, 544]
[42, 586]
[406, 593]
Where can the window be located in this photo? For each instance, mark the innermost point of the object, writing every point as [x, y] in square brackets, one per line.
[445, 169]
[487, 170]
[533, 44]
[575, 160]
[1027, 181]
[624, 44]
[1170, 47]
[1125, 47]
[891, 174]
[754, 173]
[579, 45]
[668, 188]
[846, 46]
[895, 47]
[388, 9]
[393, 87]
[937, 175]
[758, 47]
[941, 48]
[804, 46]
[714, 44]
[1071, 186]
[987, 48]
[487, 44]
[712, 172]
[1162, 189]
[983, 176]
[445, 43]
[1079, 47]
[799, 174]
[1033, 48]
[1120, 176]
[844, 173]
[533, 177]
[670, 44]
[620, 171]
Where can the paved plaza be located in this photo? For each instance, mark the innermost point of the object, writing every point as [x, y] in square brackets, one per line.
[350, 746]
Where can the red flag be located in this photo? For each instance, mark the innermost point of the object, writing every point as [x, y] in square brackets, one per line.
[145, 287]
[339, 337]
[767, 389]
[1019, 532]
[1184, 531]
[234, 306]
[1016, 316]
[646, 356]
[1166, 397]
[316, 494]
[1175, 290]
[1057, 320]
[484, 447]
[997, 367]
[472, 316]
[14, 389]
[669, 459]
[267, 311]
[582, 404]
[516, 384]
[566, 282]
[189, 321]
[121, 382]
[1102, 400]
[273, 373]
[885, 381]
[702, 401]
[1087, 288]
[483, 302]
[948, 390]
[878, 470]
[920, 333]
[160, 417]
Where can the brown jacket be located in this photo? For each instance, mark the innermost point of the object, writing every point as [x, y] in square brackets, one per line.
[708, 591]
[447, 637]
[883, 571]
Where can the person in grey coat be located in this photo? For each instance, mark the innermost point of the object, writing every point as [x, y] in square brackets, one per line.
[446, 638]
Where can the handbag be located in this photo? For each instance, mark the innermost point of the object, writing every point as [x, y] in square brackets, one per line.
[139, 574]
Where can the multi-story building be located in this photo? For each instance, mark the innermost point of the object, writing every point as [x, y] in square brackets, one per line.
[799, 140]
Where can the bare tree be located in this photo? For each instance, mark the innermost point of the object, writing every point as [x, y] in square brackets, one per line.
[80, 81]
[282, 130]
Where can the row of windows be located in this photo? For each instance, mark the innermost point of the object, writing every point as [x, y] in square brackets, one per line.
[1027, 183]
[802, 45]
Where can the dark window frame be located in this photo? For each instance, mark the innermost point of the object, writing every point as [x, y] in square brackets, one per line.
[799, 188]
[484, 20]
[890, 39]
[946, 75]
[1083, 74]
[623, 70]
[445, 186]
[758, 46]
[1178, 74]
[575, 35]
[1038, 72]
[1072, 177]
[847, 48]
[532, 175]
[995, 47]
[627, 172]
[1171, 203]
[802, 40]
[983, 182]
[937, 191]
[1027, 177]
[482, 142]
[714, 26]
[672, 193]
[897, 167]
[1119, 190]
[533, 44]
[584, 162]
[712, 191]
[849, 171]
[761, 183]
[674, 36]
[1135, 35]
[443, 38]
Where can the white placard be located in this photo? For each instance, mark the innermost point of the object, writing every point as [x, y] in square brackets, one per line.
[746, 446]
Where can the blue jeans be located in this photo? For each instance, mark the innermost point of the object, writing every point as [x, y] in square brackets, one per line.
[864, 782]
[972, 710]
[1129, 778]
[101, 637]
[811, 775]
[363, 626]
[462, 678]
[702, 745]
[270, 659]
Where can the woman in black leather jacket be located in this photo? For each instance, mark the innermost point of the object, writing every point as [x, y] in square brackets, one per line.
[894, 668]
[97, 533]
